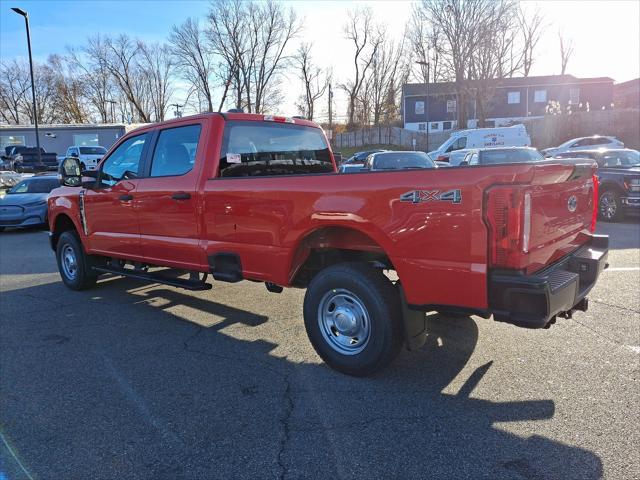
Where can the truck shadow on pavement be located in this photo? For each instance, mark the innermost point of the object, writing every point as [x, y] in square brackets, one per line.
[101, 388]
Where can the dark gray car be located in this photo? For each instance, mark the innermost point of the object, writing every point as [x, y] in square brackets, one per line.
[25, 205]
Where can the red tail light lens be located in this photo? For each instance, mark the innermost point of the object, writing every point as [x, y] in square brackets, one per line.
[508, 216]
[594, 213]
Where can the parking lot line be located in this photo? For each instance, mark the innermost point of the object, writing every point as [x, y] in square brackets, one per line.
[622, 269]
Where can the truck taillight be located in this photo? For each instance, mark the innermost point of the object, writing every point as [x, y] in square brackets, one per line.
[594, 211]
[508, 216]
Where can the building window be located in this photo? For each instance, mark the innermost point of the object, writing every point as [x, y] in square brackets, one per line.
[419, 108]
[513, 97]
[540, 96]
[451, 106]
[434, 126]
[574, 96]
[446, 125]
[9, 140]
[86, 139]
[422, 126]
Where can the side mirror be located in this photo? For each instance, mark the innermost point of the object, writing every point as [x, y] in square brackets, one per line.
[69, 172]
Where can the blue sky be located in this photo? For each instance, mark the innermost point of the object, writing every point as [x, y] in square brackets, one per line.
[55, 24]
[606, 34]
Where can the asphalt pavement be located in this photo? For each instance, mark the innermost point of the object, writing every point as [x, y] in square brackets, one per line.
[137, 381]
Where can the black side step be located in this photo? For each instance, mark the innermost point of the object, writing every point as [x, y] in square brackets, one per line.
[155, 277]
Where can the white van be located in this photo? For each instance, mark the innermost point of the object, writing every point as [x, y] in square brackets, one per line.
[515, 136]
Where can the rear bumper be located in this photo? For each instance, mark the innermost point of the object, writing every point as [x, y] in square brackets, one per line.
[533, 301]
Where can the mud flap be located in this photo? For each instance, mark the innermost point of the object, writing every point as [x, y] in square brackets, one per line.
[415, 324]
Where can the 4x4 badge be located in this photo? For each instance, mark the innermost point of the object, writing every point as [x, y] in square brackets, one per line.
[421, 196]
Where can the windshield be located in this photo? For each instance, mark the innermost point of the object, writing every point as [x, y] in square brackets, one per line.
[625, 158]
[492, 157]
[402, 160]
[264, 148]
[36, 185]
[93, 150]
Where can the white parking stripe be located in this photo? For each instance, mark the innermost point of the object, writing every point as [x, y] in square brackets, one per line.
[623, 269]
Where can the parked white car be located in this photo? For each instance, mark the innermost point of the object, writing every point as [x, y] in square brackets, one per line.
[89, 156]
[515, 136]
[584, 143]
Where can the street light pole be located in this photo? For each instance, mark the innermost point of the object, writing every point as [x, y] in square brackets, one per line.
[33, 87]
[424, 63]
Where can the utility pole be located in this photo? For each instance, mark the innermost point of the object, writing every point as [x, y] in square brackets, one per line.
[177, 113]
[112, 102]
[330, 111]
[424, 63]
[33, 88]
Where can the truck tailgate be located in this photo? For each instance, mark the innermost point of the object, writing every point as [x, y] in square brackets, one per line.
[534, 225]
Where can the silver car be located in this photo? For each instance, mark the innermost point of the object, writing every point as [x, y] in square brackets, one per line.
[25, 205]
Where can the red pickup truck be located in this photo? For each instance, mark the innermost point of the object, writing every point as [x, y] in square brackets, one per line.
[252, 197]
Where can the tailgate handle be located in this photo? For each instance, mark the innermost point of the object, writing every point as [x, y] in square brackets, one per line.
[126, 197]
[181, 196]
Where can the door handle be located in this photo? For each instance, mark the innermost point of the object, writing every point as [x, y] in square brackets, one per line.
[181, 196]
[126, 197]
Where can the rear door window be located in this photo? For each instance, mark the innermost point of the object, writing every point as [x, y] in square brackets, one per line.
[175, 152]
[262, 149]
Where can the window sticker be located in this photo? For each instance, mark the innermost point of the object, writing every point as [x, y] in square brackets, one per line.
[234, 158]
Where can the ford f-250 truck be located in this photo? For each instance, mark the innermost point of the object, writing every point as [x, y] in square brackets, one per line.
[252, 197]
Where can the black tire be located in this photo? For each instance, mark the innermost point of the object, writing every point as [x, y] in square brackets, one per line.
[368, 288]
[83, 167]
[609, 206]
[83, 277]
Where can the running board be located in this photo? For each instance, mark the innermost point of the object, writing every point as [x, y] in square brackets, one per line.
[156, 278]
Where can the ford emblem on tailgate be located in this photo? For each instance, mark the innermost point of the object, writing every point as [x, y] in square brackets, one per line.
[572, 203]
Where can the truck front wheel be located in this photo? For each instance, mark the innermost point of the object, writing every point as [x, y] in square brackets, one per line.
[73, 263]
[352, 315]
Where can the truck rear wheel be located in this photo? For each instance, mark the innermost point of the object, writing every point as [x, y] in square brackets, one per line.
[353, 318]
[73, 263]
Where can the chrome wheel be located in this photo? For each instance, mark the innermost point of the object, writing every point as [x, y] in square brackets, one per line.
[608, 205]
[69, 262]
[344, 322]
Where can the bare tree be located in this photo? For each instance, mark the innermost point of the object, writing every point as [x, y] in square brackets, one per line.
[566, 50]
[425, 48]
[274, 28]
[228, 33]
[120, 56]
[155, 63]
[193, 59]
[250, 39]
[531, 27]
[384, 85]
[90, 62]
[70, 102]
[492, 58]
[14, 86]
[315, 81]
[366, 38]
[478, 41]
